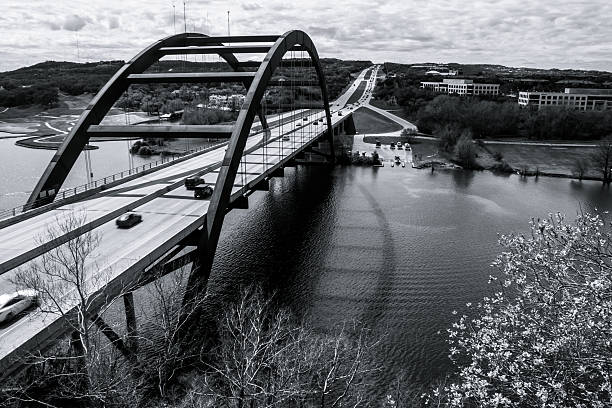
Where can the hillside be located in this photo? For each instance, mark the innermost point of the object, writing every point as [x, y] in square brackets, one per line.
[41, 84]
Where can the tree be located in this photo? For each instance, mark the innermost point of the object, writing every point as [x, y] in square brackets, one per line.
[602, 158]
[465, 151]
[170, 317]
[408, 135]
[265, 359]
[580, 167]
[447, 137]
[70, 286]
[543, 339]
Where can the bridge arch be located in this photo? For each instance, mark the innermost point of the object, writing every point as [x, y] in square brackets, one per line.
[221, 196]
[66, 156]
[192, 43]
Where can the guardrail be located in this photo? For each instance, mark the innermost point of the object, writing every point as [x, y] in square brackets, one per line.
[72, 191]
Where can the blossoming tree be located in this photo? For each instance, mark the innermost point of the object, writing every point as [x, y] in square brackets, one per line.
[545, 337]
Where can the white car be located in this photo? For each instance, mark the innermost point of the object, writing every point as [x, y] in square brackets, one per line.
[11, 304]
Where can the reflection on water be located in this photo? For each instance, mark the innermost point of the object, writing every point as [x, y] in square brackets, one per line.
[398, 249]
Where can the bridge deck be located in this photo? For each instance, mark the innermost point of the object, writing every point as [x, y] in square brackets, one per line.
[170, 213]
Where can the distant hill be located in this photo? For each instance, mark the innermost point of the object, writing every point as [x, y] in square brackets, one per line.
[511, 79]
[41, 83]
[484, 69]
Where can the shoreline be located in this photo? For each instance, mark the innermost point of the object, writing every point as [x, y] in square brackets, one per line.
[499, 167]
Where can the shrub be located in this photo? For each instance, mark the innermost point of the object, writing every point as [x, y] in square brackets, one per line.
[145, 151]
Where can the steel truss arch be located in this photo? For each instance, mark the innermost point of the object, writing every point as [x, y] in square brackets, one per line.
[64, 159]
[220, 200]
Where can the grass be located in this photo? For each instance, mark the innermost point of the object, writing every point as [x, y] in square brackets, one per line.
[384, 105]
[358, 92]
[368, 121]
[555, 160]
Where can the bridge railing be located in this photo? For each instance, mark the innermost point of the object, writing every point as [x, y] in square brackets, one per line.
[72, 191]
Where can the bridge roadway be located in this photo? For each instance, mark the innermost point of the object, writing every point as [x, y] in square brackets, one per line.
[169, 215]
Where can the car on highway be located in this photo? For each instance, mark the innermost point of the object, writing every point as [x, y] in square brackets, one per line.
[12, 304]
[191, 182]
[286, 138]
[202, 192]
[128, 220]
[339, 113]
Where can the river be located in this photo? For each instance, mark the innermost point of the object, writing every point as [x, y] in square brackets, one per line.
[396, 248]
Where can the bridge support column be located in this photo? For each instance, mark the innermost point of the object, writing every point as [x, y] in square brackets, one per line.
[200, 271]
[130, 318]
[77, 345]
[113, 338]
[241, 203]
[280, 172]
[263, 185]
[332, 155]
[349, 127]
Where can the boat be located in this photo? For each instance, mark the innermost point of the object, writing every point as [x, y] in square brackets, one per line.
[400, 147]
[392, 146]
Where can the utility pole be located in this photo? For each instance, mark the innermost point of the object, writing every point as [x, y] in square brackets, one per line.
[174, 17]
[77, 44]
[228, 23]
[184, 16]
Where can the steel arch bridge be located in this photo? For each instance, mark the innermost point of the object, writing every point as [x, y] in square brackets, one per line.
[190, 43]
[205, 235]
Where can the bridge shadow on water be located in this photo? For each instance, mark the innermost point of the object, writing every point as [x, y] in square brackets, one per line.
[320, 241]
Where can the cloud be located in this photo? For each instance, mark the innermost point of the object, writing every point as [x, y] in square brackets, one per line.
[75, 22]
[250, 6]
[52, 25]
[113, 22]
[573, 33]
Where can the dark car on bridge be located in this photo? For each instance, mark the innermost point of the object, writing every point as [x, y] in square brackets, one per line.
[202, 192]
[339, 113]
[128, 220]
[192, 182]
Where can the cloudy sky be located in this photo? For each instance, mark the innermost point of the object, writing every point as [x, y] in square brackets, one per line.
[534, 33]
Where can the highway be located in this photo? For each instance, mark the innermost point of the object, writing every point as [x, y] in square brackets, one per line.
[170, 213]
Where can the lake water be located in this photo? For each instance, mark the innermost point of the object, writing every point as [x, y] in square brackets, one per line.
[21, 168]
[396, 248]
